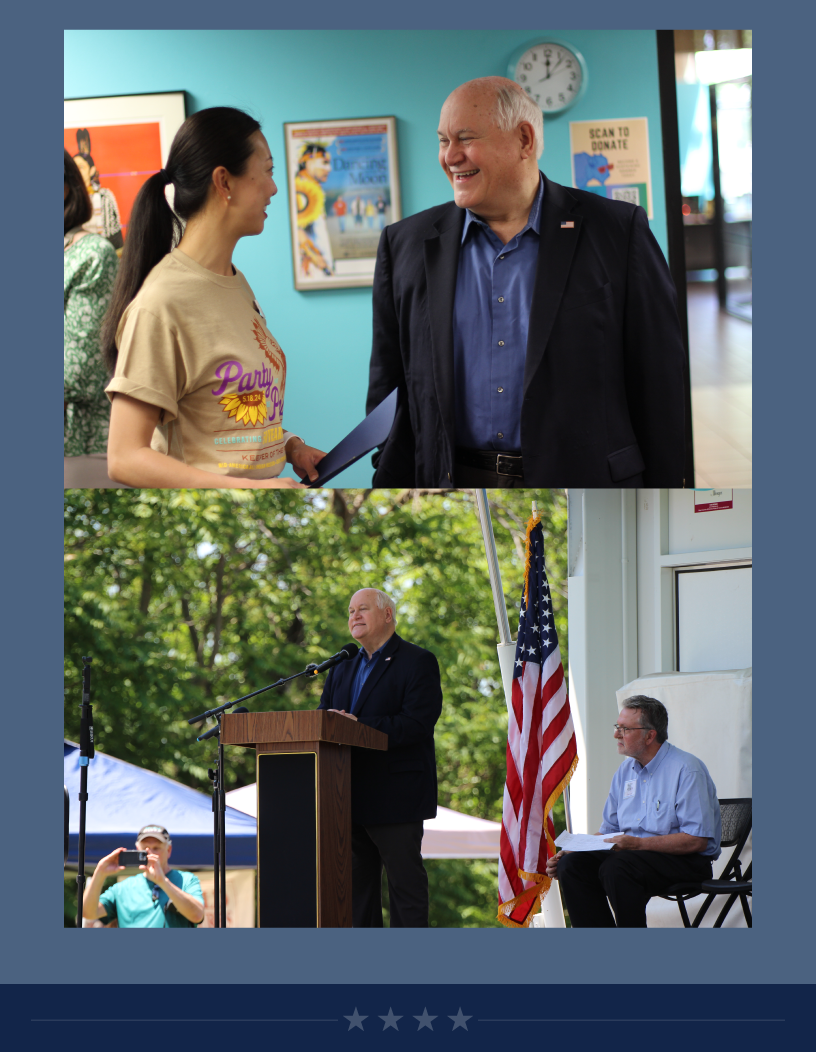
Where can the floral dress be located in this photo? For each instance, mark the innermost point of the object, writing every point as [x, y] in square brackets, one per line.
[89, 270]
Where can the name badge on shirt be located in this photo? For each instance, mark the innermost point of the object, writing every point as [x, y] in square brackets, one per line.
[629, 788]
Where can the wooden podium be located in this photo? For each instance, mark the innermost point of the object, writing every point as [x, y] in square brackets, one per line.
[303, 769]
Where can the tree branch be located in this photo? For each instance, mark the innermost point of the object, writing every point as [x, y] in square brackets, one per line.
[188, 621]
[217, 619]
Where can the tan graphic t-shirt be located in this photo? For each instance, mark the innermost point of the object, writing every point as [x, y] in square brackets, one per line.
[196, 345]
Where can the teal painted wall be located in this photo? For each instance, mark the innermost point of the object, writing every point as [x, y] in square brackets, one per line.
[283, 75]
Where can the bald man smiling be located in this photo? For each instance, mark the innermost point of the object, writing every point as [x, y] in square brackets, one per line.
[531, 328]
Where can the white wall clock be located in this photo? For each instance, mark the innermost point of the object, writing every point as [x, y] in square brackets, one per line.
[553, 74]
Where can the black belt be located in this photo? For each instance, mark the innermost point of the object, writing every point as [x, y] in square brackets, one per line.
[491, 460]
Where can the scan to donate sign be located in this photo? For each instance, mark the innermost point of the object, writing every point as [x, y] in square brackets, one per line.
[713, 499]
[610, 157]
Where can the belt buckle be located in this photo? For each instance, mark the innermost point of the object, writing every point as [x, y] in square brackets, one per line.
[507, 456]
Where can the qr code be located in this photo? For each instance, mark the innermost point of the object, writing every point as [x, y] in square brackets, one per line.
[626, 193]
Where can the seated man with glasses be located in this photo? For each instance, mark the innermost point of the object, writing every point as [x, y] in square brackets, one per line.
[159, 897]
[663, 817]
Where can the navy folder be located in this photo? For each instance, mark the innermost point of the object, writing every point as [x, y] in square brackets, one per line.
[372, 432]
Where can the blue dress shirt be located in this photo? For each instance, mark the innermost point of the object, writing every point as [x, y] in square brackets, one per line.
[673, 793]
[491, 318]
[362, 672]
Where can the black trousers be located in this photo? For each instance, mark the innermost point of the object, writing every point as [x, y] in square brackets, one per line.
[398, 848]
[628, 879]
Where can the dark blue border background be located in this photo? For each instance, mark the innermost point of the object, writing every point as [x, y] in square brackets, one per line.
[493, 1016]
[777, 951]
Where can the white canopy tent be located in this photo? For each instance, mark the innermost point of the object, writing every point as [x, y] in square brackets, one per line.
[449, 835]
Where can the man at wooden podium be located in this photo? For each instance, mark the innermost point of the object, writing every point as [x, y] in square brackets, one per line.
[393, 686]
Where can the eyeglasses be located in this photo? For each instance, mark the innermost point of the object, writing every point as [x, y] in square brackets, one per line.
[623, 730]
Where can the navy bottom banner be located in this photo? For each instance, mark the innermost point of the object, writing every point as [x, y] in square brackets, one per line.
[372, 1016]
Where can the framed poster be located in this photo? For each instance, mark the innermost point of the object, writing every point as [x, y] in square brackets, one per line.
[610, 157]
[118, 142]
[343, 191]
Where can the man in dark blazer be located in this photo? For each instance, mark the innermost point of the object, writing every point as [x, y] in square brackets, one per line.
[393, 686]
[531, 329]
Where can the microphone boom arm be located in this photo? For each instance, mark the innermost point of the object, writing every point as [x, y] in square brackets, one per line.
[310, 670]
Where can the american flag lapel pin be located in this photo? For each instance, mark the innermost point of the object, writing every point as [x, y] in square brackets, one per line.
[388, 659]
[568, 225]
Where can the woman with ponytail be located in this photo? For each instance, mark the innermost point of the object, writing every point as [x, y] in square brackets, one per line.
[198, 379]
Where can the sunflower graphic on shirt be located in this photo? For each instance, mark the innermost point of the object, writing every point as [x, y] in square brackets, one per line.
[246, 407]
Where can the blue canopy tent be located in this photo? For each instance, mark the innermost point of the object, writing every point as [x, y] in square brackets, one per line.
[122, 798]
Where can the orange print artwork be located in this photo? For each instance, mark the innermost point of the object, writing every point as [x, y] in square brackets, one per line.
[124, 156]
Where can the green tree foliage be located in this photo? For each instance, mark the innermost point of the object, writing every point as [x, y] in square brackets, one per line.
[186, 599]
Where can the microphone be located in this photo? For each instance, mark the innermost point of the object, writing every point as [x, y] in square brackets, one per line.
[214, 730]
[348, 651]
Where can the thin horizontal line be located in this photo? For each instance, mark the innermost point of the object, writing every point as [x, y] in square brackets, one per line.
[248, 431]
[619, 1019]
[119, 175]
[139, 1018]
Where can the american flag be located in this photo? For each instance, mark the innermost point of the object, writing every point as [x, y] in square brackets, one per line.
[541, 751]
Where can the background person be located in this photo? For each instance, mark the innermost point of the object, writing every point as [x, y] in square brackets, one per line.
[532, 328]
[340, 209]
[198, 378]
[159, 897]
[663, 808]
[89, 264]
[381, 209]
[395, 687]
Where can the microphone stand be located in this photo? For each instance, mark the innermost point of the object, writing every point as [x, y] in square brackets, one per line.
[86, 754]
[219, 831]
[219, 802]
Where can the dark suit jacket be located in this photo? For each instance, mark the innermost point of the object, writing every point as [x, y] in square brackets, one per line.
[403, 698]
[604, 388]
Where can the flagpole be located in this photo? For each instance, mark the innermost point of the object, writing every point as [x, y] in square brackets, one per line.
[493, 566]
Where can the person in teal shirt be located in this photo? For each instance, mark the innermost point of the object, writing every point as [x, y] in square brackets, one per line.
[159, 897]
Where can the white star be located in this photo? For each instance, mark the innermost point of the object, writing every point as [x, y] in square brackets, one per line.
[424, 1019]
[531, 650]
[390, 1019]
[356, 1019]
[459, 1019]
[535, 628]
[519, 663]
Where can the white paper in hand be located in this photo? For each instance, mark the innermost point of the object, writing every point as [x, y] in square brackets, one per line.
[583, 842]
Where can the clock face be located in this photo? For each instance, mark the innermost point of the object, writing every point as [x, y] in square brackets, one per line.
[551, 74]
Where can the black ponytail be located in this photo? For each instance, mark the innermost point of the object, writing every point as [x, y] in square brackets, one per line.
[212, 138]
[78, 208]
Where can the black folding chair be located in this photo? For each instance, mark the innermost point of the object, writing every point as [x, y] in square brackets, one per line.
[736, 825]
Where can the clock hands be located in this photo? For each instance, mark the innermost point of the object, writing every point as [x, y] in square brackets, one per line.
[550, 72]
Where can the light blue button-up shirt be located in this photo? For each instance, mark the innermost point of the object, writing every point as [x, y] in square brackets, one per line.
[491, 319]
[673, 793]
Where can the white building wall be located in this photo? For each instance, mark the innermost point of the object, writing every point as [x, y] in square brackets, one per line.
[624, 549]
[602, 636]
